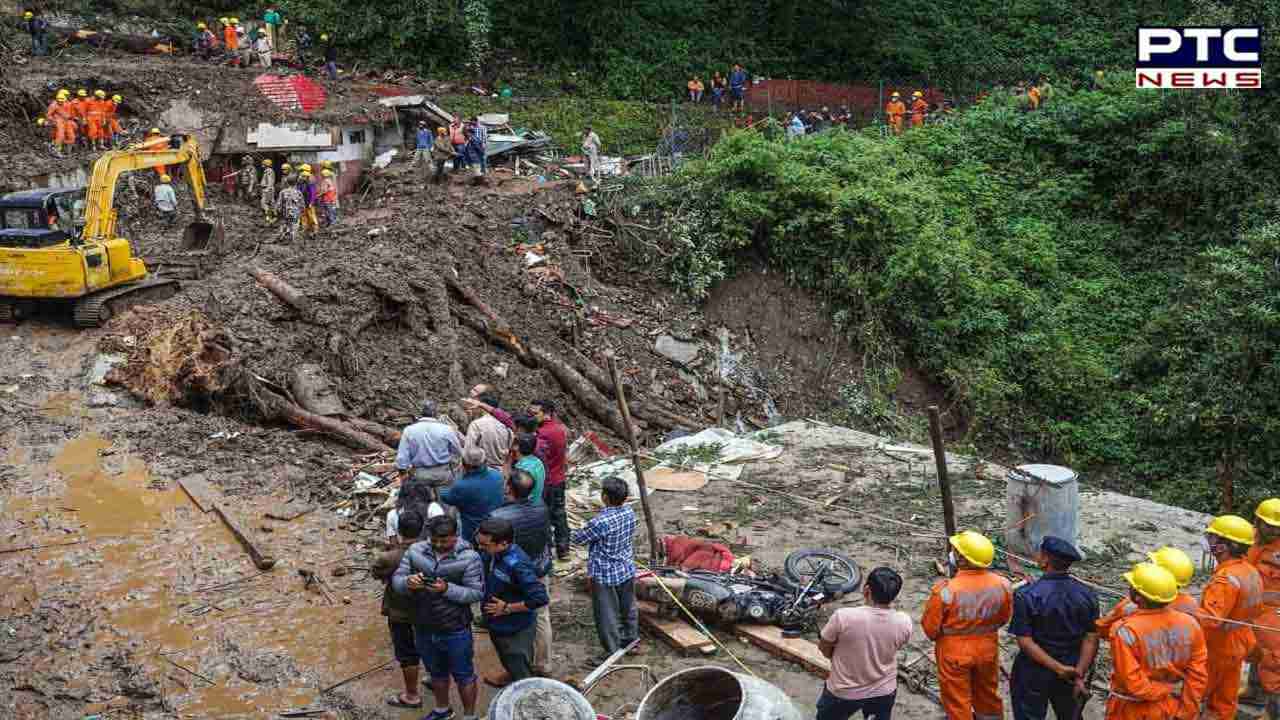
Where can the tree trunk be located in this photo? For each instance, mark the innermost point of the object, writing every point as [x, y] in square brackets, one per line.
[288, 294]
[390, 436]
[352, 436]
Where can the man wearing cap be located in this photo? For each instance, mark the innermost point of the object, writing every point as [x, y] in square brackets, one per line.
[1054, 621]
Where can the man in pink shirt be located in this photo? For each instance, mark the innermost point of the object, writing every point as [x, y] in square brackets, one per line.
[863, 645]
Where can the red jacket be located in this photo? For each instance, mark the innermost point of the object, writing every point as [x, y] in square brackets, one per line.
[553, 439]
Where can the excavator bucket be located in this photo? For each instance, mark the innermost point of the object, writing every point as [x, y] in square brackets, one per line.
[200, 235]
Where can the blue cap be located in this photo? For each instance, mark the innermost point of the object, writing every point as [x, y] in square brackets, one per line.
[1058, 547]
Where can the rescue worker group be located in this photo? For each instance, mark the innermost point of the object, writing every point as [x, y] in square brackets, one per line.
[1172, 656]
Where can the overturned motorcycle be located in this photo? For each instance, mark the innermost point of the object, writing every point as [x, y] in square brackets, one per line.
[790, 600]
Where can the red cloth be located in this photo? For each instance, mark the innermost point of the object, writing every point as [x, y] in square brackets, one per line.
[553, 439]
[693, 554]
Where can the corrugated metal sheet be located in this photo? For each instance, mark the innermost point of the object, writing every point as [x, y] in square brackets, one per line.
[292, 92]
[417, 101]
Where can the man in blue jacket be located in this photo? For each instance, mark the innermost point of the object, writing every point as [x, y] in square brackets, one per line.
[478, 492]
[513, 593]
[443, 576]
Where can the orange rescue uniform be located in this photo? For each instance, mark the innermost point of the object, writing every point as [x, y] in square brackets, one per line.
[895, 110]
[62, 116]
[1033, 97]
[918, 110]
[113, 122]
[95, 118]
[229, 37]
[1234, 593]
[1266, 558]
[1184, 603]
[963, 617]
[1154, 651]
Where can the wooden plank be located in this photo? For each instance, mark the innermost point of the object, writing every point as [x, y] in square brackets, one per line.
[678, 634]
[769, 637]
[204, 495]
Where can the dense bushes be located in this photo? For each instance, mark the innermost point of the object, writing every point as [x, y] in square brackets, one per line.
[1063, 272]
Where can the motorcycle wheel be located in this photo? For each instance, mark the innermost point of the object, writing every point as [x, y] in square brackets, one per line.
[844, 575]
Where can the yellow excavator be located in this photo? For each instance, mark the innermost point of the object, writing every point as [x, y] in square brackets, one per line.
[94, 271]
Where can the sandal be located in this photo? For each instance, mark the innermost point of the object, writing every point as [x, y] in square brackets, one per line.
[398, 701]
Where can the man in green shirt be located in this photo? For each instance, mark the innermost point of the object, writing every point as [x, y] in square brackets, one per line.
[526, 443]
[272, 20]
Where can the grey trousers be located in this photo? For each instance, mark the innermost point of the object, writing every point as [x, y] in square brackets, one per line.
[616, 615]
[516, 652]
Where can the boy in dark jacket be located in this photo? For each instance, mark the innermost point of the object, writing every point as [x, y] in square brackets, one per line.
[399, 608]
[513, 593]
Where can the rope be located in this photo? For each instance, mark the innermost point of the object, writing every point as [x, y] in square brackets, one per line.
[698, 623]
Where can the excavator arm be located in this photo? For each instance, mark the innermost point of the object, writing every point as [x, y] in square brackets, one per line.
[100, 211]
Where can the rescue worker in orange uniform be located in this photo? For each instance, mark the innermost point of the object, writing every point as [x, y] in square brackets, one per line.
[1155, 650]
[963, 617]
[80, 113]
[919, 108]
[113, 120]
[1264, 676]
[1234, 593]
[95, 119]
[231, 40]
[1033, 96]
[62, 115]
[152, 142]
[1176, 562]
[894, 112]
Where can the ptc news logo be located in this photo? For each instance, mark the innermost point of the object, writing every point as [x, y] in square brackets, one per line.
[1199, 58]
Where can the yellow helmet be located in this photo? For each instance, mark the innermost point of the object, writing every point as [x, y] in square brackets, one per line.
[223, 20]
[305, 167]
[100, 94]
[1176, 562]
[1233, 528]
[235, 21]
[305, 174]
[324, 37]
[28, 15]
[286, 167]
[266, 162]
[1269, 512]
[63, 94]
[82, 93]
[326, 163]
[975, 547]
[917, 94]
[1153, 582]
[326, 172]
[154, 131]
[165, 178]
[117, 99]
[40, 121]
[896, 94]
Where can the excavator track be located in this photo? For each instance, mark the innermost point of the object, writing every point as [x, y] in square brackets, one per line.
[96, 309]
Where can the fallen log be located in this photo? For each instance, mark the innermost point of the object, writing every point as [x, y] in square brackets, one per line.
[650, 411]
[343, 431]
[140, 44]
[288, 294]
[440, 313]
[390, 436]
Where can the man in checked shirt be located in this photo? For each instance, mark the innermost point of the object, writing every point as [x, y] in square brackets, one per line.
[611, 567]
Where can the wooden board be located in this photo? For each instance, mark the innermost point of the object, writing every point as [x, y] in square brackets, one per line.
[677, 633]
[204, 495]
[769, 637]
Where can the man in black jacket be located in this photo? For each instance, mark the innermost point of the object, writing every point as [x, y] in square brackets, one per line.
[513, 593]
[531, 523]
[444, 576]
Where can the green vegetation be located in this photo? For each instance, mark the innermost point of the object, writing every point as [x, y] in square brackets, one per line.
[1077, 277]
